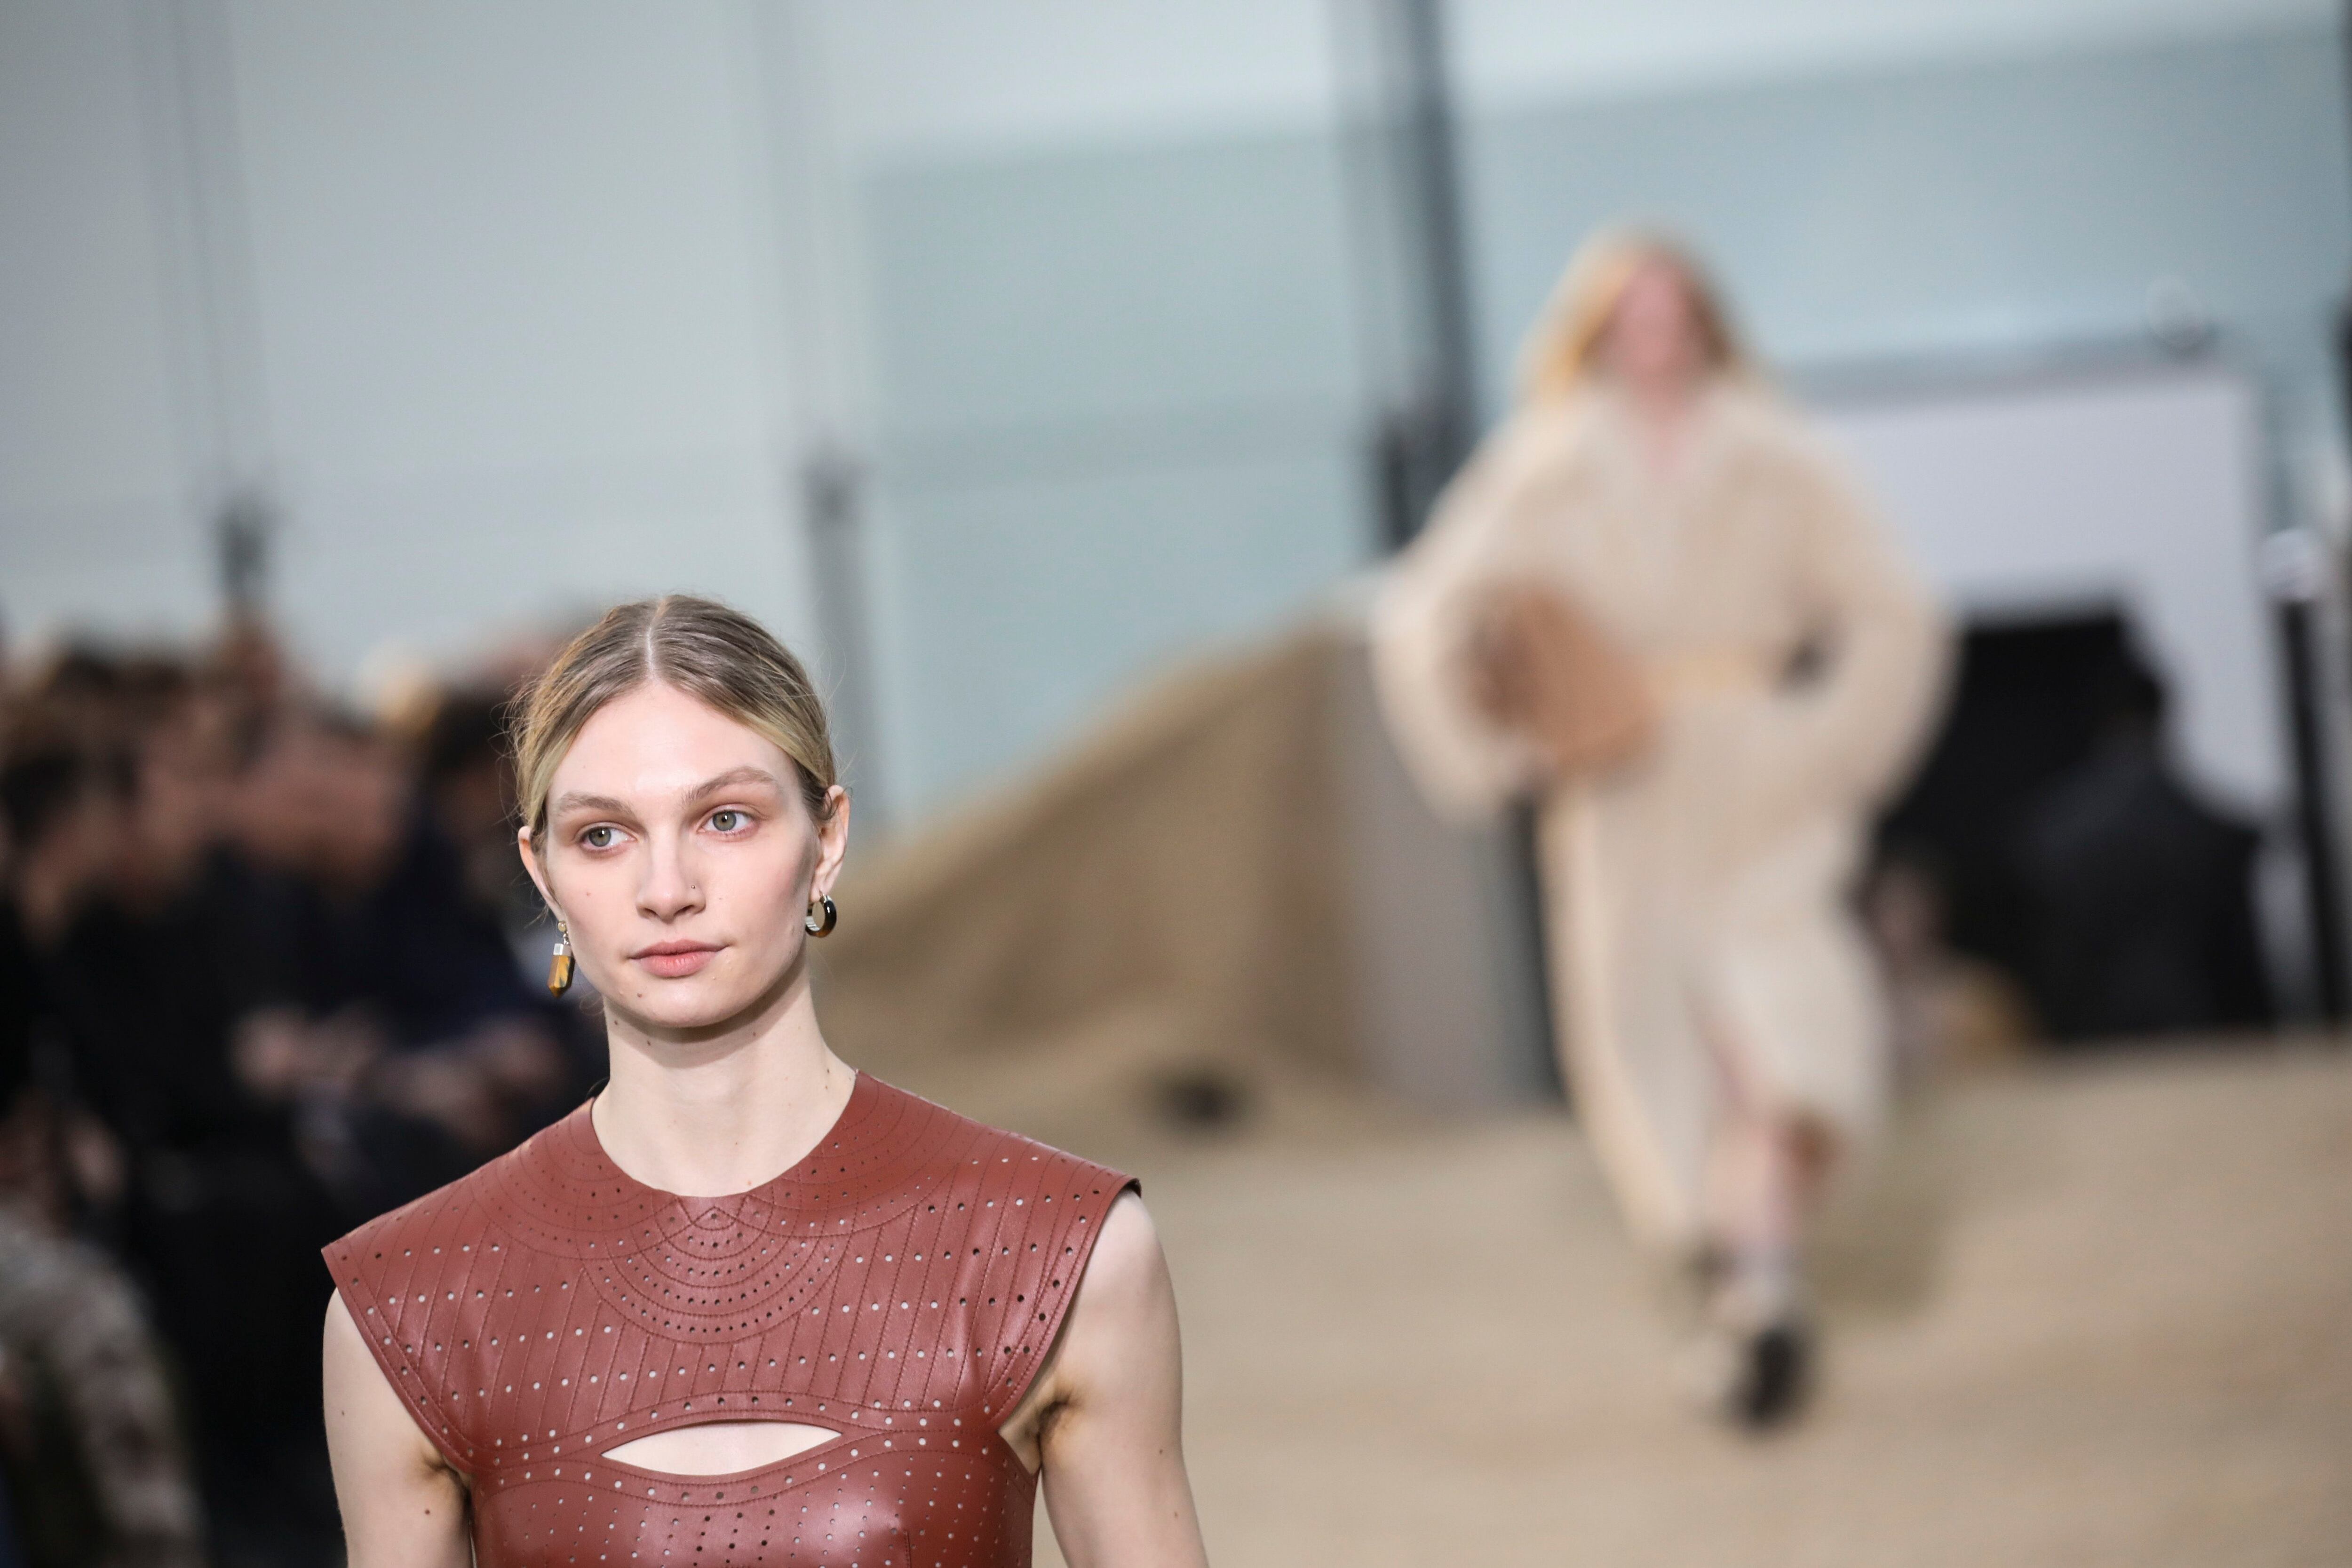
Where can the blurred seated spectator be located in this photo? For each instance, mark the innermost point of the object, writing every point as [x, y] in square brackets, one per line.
[91, 1460]
[2143, 918]
[418, 1043]
[57, 810]
[466, 780]
[1949, 1011]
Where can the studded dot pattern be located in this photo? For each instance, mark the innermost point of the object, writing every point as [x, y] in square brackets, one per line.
[900, 1286]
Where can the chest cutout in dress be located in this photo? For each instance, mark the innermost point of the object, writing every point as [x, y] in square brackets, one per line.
[719, 1448]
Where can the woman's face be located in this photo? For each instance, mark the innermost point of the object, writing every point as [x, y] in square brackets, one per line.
[1656, 340]
[682, 857]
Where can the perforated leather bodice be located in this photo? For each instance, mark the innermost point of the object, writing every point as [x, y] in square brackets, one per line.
[900, 1286]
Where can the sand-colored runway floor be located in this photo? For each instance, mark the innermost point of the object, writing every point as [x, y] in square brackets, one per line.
[2096, 1314]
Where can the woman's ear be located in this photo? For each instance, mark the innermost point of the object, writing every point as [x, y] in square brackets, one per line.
[538, 873]
[831, 838]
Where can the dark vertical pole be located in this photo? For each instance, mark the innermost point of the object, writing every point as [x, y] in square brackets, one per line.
[241, 533]
[2344, 312]
[1452, 367]
[2315, 820]
[2344, 54]
[2298, 625]
[1427, 432]
[832, 489]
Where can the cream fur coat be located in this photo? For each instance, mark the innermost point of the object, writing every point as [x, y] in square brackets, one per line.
[1701, 948]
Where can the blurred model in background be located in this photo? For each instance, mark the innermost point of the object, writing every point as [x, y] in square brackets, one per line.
[1654, 604]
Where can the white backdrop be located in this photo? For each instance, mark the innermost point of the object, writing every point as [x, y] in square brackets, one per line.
[2140, 489]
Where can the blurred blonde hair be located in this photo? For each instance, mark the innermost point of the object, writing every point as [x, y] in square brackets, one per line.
[1561, 351]
[718, 656]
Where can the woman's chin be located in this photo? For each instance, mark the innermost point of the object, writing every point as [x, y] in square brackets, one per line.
[696, 1004]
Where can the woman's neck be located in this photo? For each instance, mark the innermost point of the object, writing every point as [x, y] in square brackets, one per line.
[722, 1113]
[1663, 412]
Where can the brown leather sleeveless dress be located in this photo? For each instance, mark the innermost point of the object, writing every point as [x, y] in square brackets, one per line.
[900, 1286]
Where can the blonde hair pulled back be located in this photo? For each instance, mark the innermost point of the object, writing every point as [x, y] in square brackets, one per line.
[1562, 350]
[719, 656]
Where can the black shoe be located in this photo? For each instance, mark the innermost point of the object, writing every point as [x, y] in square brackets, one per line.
[1776, 1379]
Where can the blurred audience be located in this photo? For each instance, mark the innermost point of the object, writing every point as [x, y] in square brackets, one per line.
[261, 954]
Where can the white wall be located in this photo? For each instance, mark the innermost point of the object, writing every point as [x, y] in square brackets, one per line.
[520, 327]
[1547, 50]
[93, 521]
[930, 76]
[918, 75]
[2139, 490]
[514, 337]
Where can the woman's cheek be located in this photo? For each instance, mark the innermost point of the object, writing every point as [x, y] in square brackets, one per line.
[587, 903]
[765, 880]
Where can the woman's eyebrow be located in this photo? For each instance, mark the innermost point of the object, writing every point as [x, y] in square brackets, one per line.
[570, 802]
[734, 776]
[606, 805]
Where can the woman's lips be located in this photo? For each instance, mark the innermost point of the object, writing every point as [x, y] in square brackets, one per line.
[676, 960]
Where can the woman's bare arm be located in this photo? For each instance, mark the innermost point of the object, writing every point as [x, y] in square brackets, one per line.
[1106, 1417]
[403, 1506]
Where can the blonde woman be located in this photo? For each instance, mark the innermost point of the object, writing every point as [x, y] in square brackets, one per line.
[1655, 604]
[748, 1305]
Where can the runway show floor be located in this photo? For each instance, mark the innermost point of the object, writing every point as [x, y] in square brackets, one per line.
[2089, 1314]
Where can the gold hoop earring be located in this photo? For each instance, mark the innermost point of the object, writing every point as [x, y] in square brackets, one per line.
[559, 963]
[822, 916]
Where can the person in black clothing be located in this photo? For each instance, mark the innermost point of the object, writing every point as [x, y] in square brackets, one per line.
[399, 969]
[2141, 895]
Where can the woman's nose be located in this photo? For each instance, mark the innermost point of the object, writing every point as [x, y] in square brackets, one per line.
[670, 887]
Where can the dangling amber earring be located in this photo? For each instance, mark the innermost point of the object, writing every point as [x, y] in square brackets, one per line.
[821, 916]
[559, 963]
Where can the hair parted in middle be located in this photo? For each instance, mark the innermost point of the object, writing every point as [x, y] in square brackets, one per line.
[1562, 352]
[719, 656]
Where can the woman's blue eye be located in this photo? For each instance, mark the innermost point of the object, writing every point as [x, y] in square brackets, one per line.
[727, 821]
[597, 838]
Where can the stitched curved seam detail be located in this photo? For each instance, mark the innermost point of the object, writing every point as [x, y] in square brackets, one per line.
[1050, 1330]
[399, 1370]
[546, 1183]
[936, 1171]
